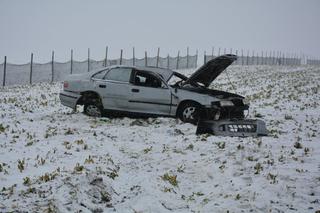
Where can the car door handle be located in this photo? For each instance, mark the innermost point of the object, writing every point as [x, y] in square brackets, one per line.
[102, 86]
[135, 90]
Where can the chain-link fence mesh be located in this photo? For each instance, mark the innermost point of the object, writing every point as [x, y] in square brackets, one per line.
[258, 60]
[57, 71]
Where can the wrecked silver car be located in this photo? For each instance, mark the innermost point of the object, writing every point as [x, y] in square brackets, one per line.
[155, 91]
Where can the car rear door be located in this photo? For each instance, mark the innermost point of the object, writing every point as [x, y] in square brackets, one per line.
[116, 92]
[149, 94]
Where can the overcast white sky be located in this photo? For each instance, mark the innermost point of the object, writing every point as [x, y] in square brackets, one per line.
[40, 26]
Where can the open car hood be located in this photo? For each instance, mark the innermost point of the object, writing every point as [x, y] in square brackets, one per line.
[211, 70]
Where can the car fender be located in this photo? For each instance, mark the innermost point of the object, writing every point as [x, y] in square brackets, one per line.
[203, 99]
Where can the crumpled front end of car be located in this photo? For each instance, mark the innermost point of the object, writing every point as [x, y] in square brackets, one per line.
[225, 109]
[227, 118]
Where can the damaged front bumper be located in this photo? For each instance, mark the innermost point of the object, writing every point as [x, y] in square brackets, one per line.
[233, 127]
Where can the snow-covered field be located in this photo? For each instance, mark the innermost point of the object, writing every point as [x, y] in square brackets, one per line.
[56, 160]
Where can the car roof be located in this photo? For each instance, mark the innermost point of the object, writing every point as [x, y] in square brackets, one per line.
[163, 72]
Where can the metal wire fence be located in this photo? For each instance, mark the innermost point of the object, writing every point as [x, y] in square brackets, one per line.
[15, 74]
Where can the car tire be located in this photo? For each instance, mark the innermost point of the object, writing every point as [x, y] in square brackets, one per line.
[189, 112]
[93, 109]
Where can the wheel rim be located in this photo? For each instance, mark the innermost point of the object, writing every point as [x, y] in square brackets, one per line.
[93, 110]
[188, 113]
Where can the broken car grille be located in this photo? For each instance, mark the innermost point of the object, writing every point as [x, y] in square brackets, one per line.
[238, 127]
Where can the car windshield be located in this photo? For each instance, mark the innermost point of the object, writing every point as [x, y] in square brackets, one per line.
[178, 80]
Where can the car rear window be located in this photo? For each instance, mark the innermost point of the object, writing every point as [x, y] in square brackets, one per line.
[119, 74]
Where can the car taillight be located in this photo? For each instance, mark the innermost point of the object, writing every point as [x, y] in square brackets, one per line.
[65, 84]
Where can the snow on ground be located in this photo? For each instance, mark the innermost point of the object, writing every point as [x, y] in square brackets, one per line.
[56, 160]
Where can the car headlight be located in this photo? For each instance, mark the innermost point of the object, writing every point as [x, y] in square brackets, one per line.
[226, 103]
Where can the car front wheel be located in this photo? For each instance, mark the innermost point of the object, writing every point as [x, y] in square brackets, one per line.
[93, 109]
[189, 112]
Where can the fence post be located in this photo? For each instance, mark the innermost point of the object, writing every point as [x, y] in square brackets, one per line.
[247, 57]
[88, 59]
[252, 60]
[219, 51]
[266, 61]
[293, 59]
[286, 58]
[269, 61]
[145, 58]
[230, 50]
[212, 52]
[305, 59]
[158, 57]
[121, 56]
[133, 57]
[197, 58]
[224, 51]
[237, 62]
[273, 57]
[187, 57]
[52, 66]
[301, 59]
[4, 71]
[71, 62]
[204, 57]
[177, 67]
[31, 64]
[168, 63]
[106, 58]
[242, 57]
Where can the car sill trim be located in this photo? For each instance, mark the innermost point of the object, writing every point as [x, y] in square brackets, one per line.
[69, 96]
[147, 102]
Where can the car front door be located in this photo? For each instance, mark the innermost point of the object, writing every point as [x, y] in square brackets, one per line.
[149, 94]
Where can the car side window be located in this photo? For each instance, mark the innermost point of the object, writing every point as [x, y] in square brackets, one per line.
[119, 74]
[147, 80]
[100, 74]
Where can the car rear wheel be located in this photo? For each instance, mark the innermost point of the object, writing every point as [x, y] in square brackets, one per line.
[93, 109]
[189, 112]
